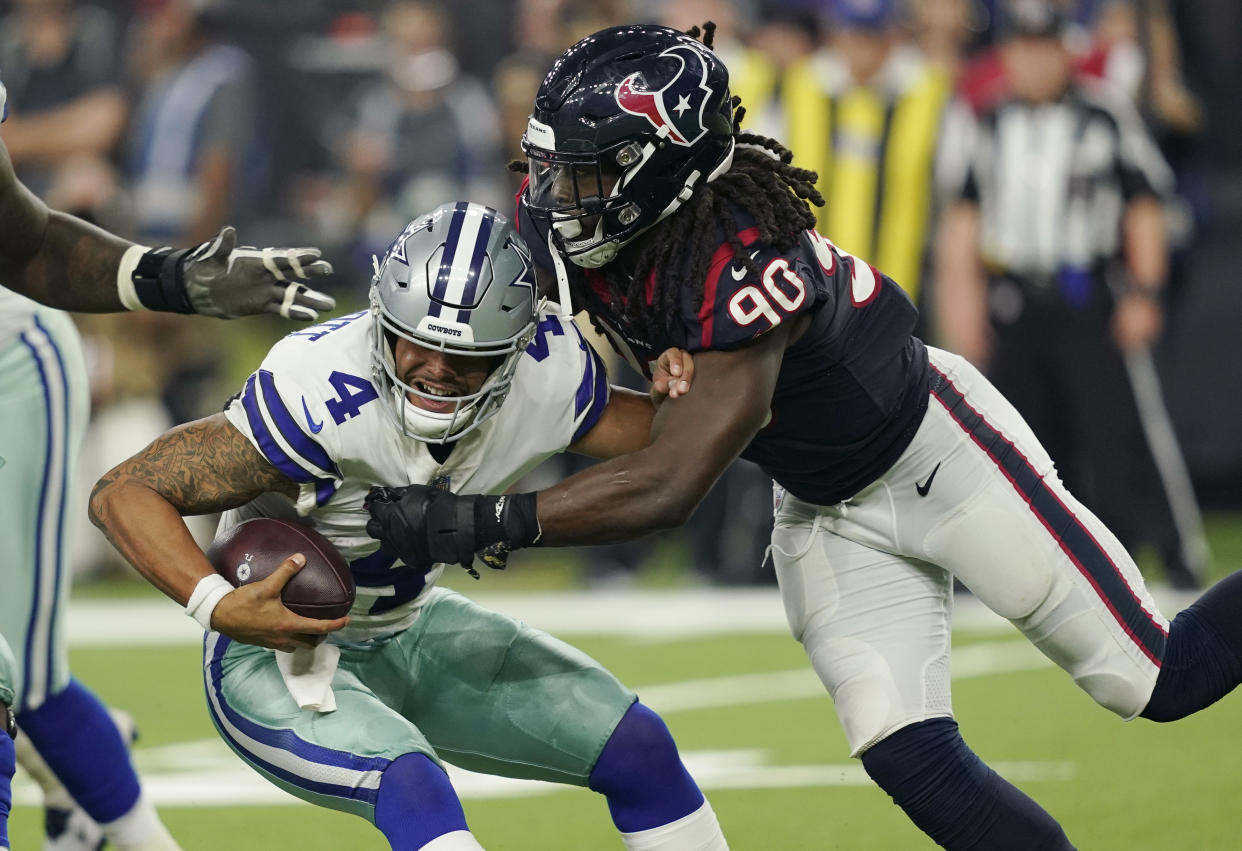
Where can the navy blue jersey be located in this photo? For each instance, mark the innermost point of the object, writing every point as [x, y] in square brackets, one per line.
[851, 391]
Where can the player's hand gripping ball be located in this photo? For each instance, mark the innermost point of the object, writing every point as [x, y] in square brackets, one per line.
[250, 551]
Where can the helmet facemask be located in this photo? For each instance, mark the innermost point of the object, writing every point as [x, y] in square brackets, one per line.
[582, 196]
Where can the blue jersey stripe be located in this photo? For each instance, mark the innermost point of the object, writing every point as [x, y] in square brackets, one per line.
[324, 488]
[592, 393]
[303, 444]
[286, 740]
[267, 444]
[1073, 538]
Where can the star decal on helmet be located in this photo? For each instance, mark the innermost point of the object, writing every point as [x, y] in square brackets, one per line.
[687, 91]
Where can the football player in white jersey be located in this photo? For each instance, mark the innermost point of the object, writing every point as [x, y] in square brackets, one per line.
[453, 377]
[52, 260]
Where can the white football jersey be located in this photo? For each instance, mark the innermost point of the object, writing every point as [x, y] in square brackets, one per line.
[313, 412]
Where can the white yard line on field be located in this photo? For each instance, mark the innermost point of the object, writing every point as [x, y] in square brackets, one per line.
[654, 615]
[206, 773]
[973, 660]
[217, 778]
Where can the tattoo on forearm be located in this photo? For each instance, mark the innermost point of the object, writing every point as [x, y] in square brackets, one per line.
[203, 467]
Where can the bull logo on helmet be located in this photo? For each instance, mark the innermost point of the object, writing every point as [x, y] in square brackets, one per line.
[677, 106]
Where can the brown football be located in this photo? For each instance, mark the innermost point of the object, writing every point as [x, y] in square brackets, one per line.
[250, 551]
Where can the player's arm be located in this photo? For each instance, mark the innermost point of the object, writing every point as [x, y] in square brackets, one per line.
[66, 263]
[199, 468]
[692, 441]
[625, 424]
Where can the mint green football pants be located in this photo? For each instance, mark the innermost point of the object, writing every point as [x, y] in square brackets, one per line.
[464, 684]
[7, 669]
[44, 408]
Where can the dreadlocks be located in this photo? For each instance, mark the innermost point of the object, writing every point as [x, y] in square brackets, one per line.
[678, 251]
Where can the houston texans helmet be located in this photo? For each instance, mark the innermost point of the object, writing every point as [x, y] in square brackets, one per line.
[626, 124]
[458, 279]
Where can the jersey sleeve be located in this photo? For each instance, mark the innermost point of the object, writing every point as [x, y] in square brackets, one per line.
[570, 378]
[740, 303]
[276, 411]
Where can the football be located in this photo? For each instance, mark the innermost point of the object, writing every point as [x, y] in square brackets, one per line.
[251, 551]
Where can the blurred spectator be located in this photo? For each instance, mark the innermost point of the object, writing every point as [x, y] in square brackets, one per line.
[865, 113]
[67, 109]
[517, 80]
[945, 30]
[196, 158]
[423, 133]
[196, 161]
[1061, 205]
[1135, 47]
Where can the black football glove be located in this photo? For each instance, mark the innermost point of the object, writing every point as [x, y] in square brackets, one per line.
[220, 279]
[425, 525]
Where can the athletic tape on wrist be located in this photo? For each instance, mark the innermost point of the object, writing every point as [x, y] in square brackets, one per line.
[209, 591]
[125, 277]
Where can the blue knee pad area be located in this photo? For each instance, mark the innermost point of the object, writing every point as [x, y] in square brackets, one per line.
[953, 797]
[416, 803]
[641, 774]
[1203, 656]
[8, 764]
[77, 738]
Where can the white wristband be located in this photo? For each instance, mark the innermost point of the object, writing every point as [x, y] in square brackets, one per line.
[209, 591]
[125, 277]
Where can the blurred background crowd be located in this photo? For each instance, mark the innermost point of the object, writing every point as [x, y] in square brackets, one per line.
[331, 123]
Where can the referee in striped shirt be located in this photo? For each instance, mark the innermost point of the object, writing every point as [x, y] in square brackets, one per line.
[1051, 266]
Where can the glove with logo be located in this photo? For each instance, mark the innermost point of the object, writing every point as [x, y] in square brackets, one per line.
[425, 525]
[222, 280]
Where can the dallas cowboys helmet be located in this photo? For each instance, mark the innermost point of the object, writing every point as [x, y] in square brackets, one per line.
[626, 124]
[460, 280]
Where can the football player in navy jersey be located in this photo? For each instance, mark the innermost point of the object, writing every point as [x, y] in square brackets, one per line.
[898, 467]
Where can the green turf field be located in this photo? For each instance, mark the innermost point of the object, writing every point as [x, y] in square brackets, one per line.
[756, 730]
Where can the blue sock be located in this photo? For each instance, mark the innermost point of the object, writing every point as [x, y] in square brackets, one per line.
[80, 743]
[416, 803]
[641, 775]
[1203, 656]
[8, 763]
[953, 797]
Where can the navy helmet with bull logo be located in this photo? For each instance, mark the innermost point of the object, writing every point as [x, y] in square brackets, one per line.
[626, 124]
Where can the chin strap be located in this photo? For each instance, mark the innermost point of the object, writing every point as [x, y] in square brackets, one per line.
[562, 277]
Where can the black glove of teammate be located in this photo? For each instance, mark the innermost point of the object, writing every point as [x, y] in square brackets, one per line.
[425, 525]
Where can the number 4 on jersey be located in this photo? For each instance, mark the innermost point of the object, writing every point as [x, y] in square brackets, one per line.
[352, 391]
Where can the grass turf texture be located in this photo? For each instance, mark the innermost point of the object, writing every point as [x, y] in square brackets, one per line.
[1113, 785]
[1133, 785]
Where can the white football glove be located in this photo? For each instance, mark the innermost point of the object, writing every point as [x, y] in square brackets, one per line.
[225, 281]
